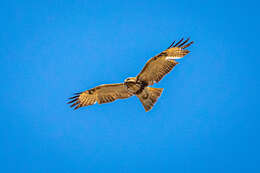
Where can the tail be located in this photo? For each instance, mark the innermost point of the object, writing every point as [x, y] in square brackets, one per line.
[149, 96]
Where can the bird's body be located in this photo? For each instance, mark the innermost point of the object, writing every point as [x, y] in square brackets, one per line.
[154, 70]
[134, 86]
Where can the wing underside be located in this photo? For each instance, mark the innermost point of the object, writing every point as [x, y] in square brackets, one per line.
[160, 65]
[100, 94]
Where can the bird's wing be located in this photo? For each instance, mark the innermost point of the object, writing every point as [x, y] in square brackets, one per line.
[158, 66]
[100, 94]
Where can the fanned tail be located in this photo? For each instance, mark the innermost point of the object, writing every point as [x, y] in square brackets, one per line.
[149, 96]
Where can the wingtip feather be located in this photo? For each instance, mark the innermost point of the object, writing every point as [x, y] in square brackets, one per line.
[187, 45]
[178, 42]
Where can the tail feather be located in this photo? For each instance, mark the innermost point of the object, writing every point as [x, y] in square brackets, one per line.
[149, 96]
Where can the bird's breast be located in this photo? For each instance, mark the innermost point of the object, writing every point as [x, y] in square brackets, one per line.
[132, 87]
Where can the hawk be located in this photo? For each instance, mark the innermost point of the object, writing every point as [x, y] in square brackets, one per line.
[154, 70]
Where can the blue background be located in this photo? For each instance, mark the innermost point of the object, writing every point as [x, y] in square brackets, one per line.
[207, 119]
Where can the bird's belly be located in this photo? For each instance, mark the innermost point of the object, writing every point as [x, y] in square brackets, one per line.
[132, 87]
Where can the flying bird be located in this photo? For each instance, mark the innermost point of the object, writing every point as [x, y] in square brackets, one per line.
[154, 70]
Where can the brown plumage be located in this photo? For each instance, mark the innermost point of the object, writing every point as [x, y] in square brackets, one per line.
[158, 66]
[154, 70]
[100, 94]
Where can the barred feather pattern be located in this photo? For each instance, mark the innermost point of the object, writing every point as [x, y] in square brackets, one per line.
[100, 94]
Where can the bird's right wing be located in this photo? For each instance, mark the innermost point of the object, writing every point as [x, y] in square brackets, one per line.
[158, 66]
[100, 94]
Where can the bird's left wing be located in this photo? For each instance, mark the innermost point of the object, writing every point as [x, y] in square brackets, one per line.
[100, 94]
[158, 66]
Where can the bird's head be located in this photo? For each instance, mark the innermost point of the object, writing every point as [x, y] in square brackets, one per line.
[130, 79]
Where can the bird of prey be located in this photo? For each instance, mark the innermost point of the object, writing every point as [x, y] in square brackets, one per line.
[154, 70]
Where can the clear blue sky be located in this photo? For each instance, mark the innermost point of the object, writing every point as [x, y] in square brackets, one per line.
[207, 119]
